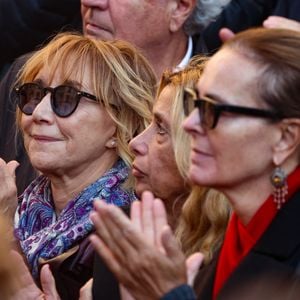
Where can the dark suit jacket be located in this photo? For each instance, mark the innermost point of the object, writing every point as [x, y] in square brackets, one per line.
[239, 15]
[11, 143]
[27, 24]
[277, 253]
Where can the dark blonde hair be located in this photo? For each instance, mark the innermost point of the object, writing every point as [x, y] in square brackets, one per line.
[205, 213]
[121, 78]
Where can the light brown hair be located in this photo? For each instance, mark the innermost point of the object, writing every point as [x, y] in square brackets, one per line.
[121, 77]
[205, 212]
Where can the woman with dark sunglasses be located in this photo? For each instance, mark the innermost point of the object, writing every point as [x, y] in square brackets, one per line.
[245, 141]
[80, 102]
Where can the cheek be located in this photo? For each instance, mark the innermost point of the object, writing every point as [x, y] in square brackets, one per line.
[24, 122]
[165, 177]
[239, 153]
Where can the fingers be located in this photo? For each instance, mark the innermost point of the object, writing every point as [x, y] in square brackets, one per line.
[12, 166]
[136, 216]
[116, 230]
[103, 229]
[281, 22]
[226, 34]
[8, 188]
[86, 291]
[23, 274]
[125, 295]
[160, 220]
[106, 254]
[147, 217]
[48, 284]
[170, 245]
[25, 287]
[193, 264]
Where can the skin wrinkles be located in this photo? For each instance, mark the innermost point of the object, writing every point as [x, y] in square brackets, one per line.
[154, 155]
[220, 156]
[70, 154]
[155, 27]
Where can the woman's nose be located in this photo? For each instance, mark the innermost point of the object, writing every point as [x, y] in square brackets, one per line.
[43, 111]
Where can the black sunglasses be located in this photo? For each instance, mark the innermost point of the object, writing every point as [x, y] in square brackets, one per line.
[64, 98]
[210, 112]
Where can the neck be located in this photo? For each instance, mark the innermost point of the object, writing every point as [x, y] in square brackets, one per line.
[173, 209]
[246, 199]
[66, 186]
[167, 55]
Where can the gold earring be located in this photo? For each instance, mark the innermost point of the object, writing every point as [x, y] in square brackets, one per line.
[278, 180]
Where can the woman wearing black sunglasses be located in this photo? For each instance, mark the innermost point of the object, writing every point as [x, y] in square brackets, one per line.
[244, 123]
[80, 103]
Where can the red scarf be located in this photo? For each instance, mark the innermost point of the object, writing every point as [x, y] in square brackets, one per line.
[240, 239]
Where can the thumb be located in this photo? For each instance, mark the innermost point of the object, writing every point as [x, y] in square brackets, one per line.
[193, 264]
[86, 291]
[226, 34]
[170, 244]
[48, 284]
[12, 165]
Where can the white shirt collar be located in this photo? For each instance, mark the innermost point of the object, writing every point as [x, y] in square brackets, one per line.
[187, 56]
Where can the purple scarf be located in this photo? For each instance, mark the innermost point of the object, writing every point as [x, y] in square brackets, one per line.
[44, 235]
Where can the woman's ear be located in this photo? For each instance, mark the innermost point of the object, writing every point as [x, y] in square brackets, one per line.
[289, 141]
[180, 11]
[111, 143]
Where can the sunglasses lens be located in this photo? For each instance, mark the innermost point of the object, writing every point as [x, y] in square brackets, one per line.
[189, 97]
[65, 100]
[207, 113]
[29, 96]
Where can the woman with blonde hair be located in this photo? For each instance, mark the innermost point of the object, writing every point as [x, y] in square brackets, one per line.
[205, 212]
[186, 204]
[245, 142]
[161, 165]
[80, 102]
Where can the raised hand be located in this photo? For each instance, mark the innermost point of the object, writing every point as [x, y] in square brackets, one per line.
[8, 188]
[281, 22]
[25, 287]
[142, 253]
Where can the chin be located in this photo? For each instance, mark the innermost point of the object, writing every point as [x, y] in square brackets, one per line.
[140, 188]
[43, 166]
[199, 176]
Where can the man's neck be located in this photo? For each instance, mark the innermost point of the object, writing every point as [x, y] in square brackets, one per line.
[167, 55]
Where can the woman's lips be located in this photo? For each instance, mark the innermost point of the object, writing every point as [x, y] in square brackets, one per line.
[136, 172]
[44, 138]
[95, 30]
[197, 155]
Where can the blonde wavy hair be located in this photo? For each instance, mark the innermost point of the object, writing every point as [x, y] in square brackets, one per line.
[121, 78]
[205, 213]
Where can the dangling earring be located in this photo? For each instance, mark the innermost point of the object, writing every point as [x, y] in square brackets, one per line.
[278, 180]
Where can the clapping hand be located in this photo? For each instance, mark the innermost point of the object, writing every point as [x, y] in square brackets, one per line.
[142, 252]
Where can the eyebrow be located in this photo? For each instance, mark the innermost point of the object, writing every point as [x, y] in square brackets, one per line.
[211, 95]
[38, 81]
[73, 83]
[216, 98]
[160, 118]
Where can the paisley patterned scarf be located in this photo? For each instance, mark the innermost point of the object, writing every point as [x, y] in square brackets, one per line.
[43, 234]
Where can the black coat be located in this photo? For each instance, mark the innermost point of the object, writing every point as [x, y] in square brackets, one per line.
[239, 15]
[11, 143]
[277, 253]
[27, 24]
